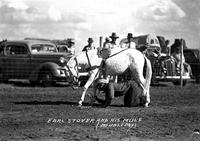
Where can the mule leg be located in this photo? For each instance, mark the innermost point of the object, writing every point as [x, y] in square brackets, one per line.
[83, 96]
[91, 79]
[147, 98]
[148, 81]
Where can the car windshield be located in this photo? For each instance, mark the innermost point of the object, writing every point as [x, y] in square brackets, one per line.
[43, 48]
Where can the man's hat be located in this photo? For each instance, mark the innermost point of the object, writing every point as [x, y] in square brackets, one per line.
[71, 40]
[102, 81]
[130, 35]
[113, 36]
[90, 40]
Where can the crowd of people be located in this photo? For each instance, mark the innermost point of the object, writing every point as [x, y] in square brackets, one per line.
[109, 43]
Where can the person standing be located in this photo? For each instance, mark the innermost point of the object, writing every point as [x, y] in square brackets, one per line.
[71, 46]
[112, 44]
[107, 40]
[108, 45]
[106, 51]
[130, 43]
[175, 45]
[89, 45]
[177, 56]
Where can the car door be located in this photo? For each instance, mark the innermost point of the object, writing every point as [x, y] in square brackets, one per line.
[17, 61]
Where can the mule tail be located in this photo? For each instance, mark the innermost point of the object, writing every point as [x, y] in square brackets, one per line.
[148, 80]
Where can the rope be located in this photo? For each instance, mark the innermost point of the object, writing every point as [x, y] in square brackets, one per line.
[117, 53]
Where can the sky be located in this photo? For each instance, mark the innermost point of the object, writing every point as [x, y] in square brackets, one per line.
[81, 19]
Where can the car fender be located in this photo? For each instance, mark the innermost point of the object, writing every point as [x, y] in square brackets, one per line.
[50, 66]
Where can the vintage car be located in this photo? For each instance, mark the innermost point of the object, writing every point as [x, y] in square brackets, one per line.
[35, 60]
[166, 69]
[164, 66]
[192, 57]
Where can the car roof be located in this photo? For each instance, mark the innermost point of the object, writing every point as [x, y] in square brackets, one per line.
[29, 42]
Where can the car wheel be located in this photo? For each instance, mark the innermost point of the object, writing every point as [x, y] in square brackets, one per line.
[178, 82]
[46, 78]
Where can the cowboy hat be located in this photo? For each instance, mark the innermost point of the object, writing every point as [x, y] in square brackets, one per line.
[113, 35]
[90, 40]
[71, 40]
[130, 35]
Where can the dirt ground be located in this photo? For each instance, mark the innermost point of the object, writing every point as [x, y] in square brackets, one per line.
[36, 113]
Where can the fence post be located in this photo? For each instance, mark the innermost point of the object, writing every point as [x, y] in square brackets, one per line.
[100, 41]
[181, 67]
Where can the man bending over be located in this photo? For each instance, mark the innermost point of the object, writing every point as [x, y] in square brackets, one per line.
[130, 89]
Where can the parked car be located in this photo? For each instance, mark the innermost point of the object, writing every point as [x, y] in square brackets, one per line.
[164, 66]
[35, 60]
[192, 57]
[167, 70]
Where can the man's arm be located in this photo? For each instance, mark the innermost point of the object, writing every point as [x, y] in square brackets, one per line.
[85, 48]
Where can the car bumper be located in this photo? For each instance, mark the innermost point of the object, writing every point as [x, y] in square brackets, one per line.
[61, 74]
[171, 78]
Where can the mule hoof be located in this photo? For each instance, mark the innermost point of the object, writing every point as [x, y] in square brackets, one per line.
[74, 87]
[80, 106]
[80, 103]
[146, 105]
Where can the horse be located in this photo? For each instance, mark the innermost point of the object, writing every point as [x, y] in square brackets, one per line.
[116, 64]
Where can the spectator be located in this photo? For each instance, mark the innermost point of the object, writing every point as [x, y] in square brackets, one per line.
[107, 40]
[167, 42]
[175, 45]
[112, 44]
[89, 46]
[71, 46]
[177, 56]
[130, 44]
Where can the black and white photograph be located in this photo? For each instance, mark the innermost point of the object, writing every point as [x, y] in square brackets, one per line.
[99, 70]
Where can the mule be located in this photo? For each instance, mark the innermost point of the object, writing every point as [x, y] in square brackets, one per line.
[116, 64]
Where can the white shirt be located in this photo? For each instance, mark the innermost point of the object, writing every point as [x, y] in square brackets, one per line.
[129, 45]
[110, 46]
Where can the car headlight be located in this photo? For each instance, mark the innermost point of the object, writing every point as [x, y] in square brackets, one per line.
[62, 60]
